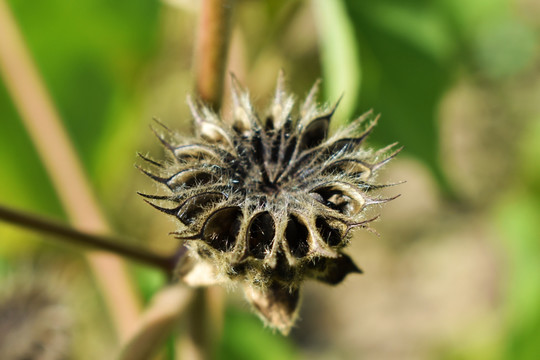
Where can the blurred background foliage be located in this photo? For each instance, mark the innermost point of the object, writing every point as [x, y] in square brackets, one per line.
[455, 273]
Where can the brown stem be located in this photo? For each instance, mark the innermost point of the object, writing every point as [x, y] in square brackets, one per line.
[211, 52]
[159, 320]
[206, 321]
[212, 45]
[107, 243]
[58, 155]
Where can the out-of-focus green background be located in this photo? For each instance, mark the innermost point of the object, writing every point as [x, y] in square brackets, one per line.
[455, 272]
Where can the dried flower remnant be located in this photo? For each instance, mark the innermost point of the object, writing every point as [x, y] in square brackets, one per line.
[268, 202]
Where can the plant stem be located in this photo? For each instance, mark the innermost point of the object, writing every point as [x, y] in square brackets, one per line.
[107, 243]
[159, 320]
[206, 321]
[211, 51]
[212, 45]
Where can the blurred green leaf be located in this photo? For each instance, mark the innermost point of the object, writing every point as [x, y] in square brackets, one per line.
[468, 16]
[518, 221]
[407, 64]
[505, 48]
[23, 183]
[244, 339]
[149, 280]
[90, 54]
[530, 155]
[340, 56]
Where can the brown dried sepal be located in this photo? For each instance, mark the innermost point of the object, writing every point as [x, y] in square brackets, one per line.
[276, 304]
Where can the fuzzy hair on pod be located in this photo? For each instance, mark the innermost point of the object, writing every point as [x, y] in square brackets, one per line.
[268, 200]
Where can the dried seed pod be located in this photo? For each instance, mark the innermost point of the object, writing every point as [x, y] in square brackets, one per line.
[270, 201]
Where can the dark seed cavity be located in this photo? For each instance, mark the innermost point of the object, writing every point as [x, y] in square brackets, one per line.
[190, 178]
[296, 235]
[195, 206]
[346, 145]
[330, 235]
[351, 167]
[346, 201]
[269, 123]
[222, 227]
[315, 133]
[260, 235]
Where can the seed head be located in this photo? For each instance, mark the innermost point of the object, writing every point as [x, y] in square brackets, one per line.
[268, 201]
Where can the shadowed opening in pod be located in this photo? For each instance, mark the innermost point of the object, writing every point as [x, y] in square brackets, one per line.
[196, 205]
[351, 167]
[330, 235]
[190, 178]
[344, 145]
[221, 228]
[296, 235]
[315, 133]
[260, 235]
[337, 199]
